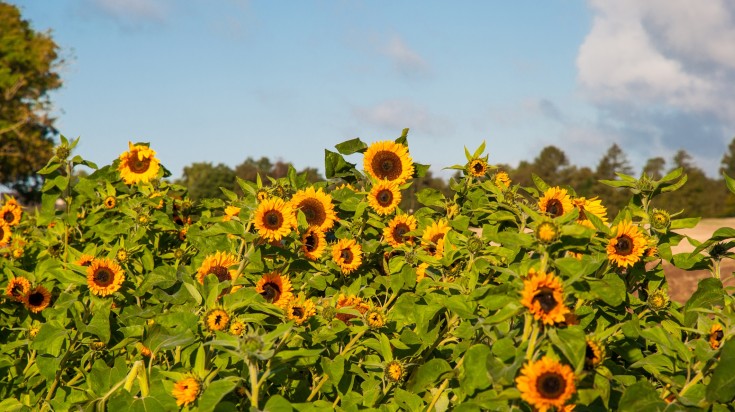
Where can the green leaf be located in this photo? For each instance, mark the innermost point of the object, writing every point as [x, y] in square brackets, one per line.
[571, 343]
[709, 293]
[351, 146]
[729, 181]
[687, 223]
[428, 374]
[214, 393]
[430, 197]
[722, 384]
[100, 323]
[334, 368]
[474, 374]
[277, 403]
[335, 165]
[50, 339]
[610, 289]
[641, 397]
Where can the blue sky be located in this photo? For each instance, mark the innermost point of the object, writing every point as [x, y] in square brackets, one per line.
[221, 81]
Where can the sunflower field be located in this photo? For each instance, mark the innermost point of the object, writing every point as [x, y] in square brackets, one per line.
[122, 294]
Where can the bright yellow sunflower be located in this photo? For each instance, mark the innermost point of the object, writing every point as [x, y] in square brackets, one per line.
[716, 335]
[5, 233]
[274, 218]
[219, 265]
[375, 318]
[275, 288]
[388, 160]
[104, 277]
[237, 327]
[421, 271]
[556, 202]
[216, 319]
[17, 288]
[350, 302]
[433, 238]
[543, 295]
[594, 353]
[384, 197]
[37, 299]
[394, 371]
[477, 167]
[593, 206]
[186, 390]
[230, 212]
[546, 383]
[317, 207]
[547, 231]
[139, 164]
[300, 309]
[11, 212]
[347, 254]
[502, 180]
[313, 243]
[627, 244]
[395, 232]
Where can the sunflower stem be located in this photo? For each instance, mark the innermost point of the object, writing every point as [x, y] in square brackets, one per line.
[716, 268]
[62, 364]
[532, 342]
[442, 387]
[254, 383]
[344, 350]
[31, 360]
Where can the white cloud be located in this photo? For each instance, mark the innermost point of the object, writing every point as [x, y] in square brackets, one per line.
[131, 10]
[395, 115]
[405, 60]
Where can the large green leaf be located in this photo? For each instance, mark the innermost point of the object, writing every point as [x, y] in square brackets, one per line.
[721, 387]
[641, 397]
[474, 368]
[709, 293]
[610, 289]
[214, 393]
[428, 374]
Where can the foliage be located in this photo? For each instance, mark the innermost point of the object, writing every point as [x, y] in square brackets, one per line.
[500, 296]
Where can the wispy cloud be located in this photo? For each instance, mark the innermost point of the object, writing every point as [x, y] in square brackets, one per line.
[129, 12]
[393, 115]
[405, 60]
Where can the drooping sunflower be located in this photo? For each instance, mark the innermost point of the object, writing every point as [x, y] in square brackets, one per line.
[387, 160]
[502, 180]
[433, 238]
[477, 167]
[384, 197]
[110, 202]
[594, 353]
[395, 232]
[546, 383]
[300, 309]
[104, 277]
[627, 245]
[317, 207]
[590, 206]
[313, 243]
[219, 265]
[275, 288]
[11, 212]
[230, 212]
[543, 295]
[186, 390]
[274, 218]
[716, 335]
[37, 299]
[216, 319]
[138, 164]
[555, 202]
[17, 288]
[347, 253]
[350, 302]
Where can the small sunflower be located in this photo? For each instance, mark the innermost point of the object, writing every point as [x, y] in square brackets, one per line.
[658, 300]
[547, 232]
[502, 180]
[110, 202]
[627, 245]
[546, 383]
[182, 233]
[317, 207]
[300, 309]
[11, 213]
[275, 288]
[274, 218]
[387, 160]
[186, 390]
[394, 371]
[716, 335]
[590, 206]
[5, 233]
[384, 197]
[37, 299]
[262, 195]
[230, 212]
[660, 220]
[375, 318]
[237, 327]
[17, 288]
[544, 297]
[350, 302]
[555, 202]
[122, 255]
[216, 319]
[433, 238]
[139, 164]
[84, 260]
[219, 265]
[594, 353]
[104, 277]
[395, 232]
[347, 254]
[477, 167]
[313, 243]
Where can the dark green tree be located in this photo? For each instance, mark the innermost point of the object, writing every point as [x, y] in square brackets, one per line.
[205, 180]
[28, 72]
[654, 167]
[727, 165]
[550, 165]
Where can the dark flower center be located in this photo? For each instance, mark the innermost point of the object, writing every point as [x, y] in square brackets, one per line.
[400, 230]
[2, 233]
[386, 165]
[314, 211]
[346, 255]
[311, 241]
[271, 292]
[103, 277]
[273, 220]
[624, 245]
[554, 207]
[218, 320]
[16, 290]
[551, 385]
[385, 197]
[478, 167]
[8, 216]
[221, 272]
[35, 299]
[589, 355]
[297, 312]
[545, 299]
[137, 165]
[718, 335]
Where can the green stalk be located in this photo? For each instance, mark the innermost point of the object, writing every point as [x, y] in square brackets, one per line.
[325, 378]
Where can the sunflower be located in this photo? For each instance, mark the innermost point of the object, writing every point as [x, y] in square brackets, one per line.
[37, 299]
[230, 212]
[275, 288]
[658, 300]
[546, 383]
[384, 197]
[547, 231]
[237, 327]
[394, 371]
[274, 218]
[104, 277]
[11, 212]
[139, 164]
[375, 318]
[262, 195]
[627, 245]
[5, 233]
[388, 160]
[350, 302]
[84, 260]
[590, 206]
[17, 288]
[502, 180]
[216, 319]
[594, 353]
[186, 390]
[433, 238]
[300, 309]
[544, 297]
[347, 254]
[715, 335]
[477, 167]
[110, 202]
[219, 265]
[317, 207]
[395, 232]
[313, 243]
[555, 201]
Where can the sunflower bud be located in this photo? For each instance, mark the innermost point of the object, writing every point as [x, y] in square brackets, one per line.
[547, 232]
[475, 244]
[645, 185]
[660, 220]
[144, 220]
[62, 152]
[394, 371]
[179, 254]
[410, 257]
[375, 318]
[122, 255]
[252, 344]
[658, 300]
[328, 313]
